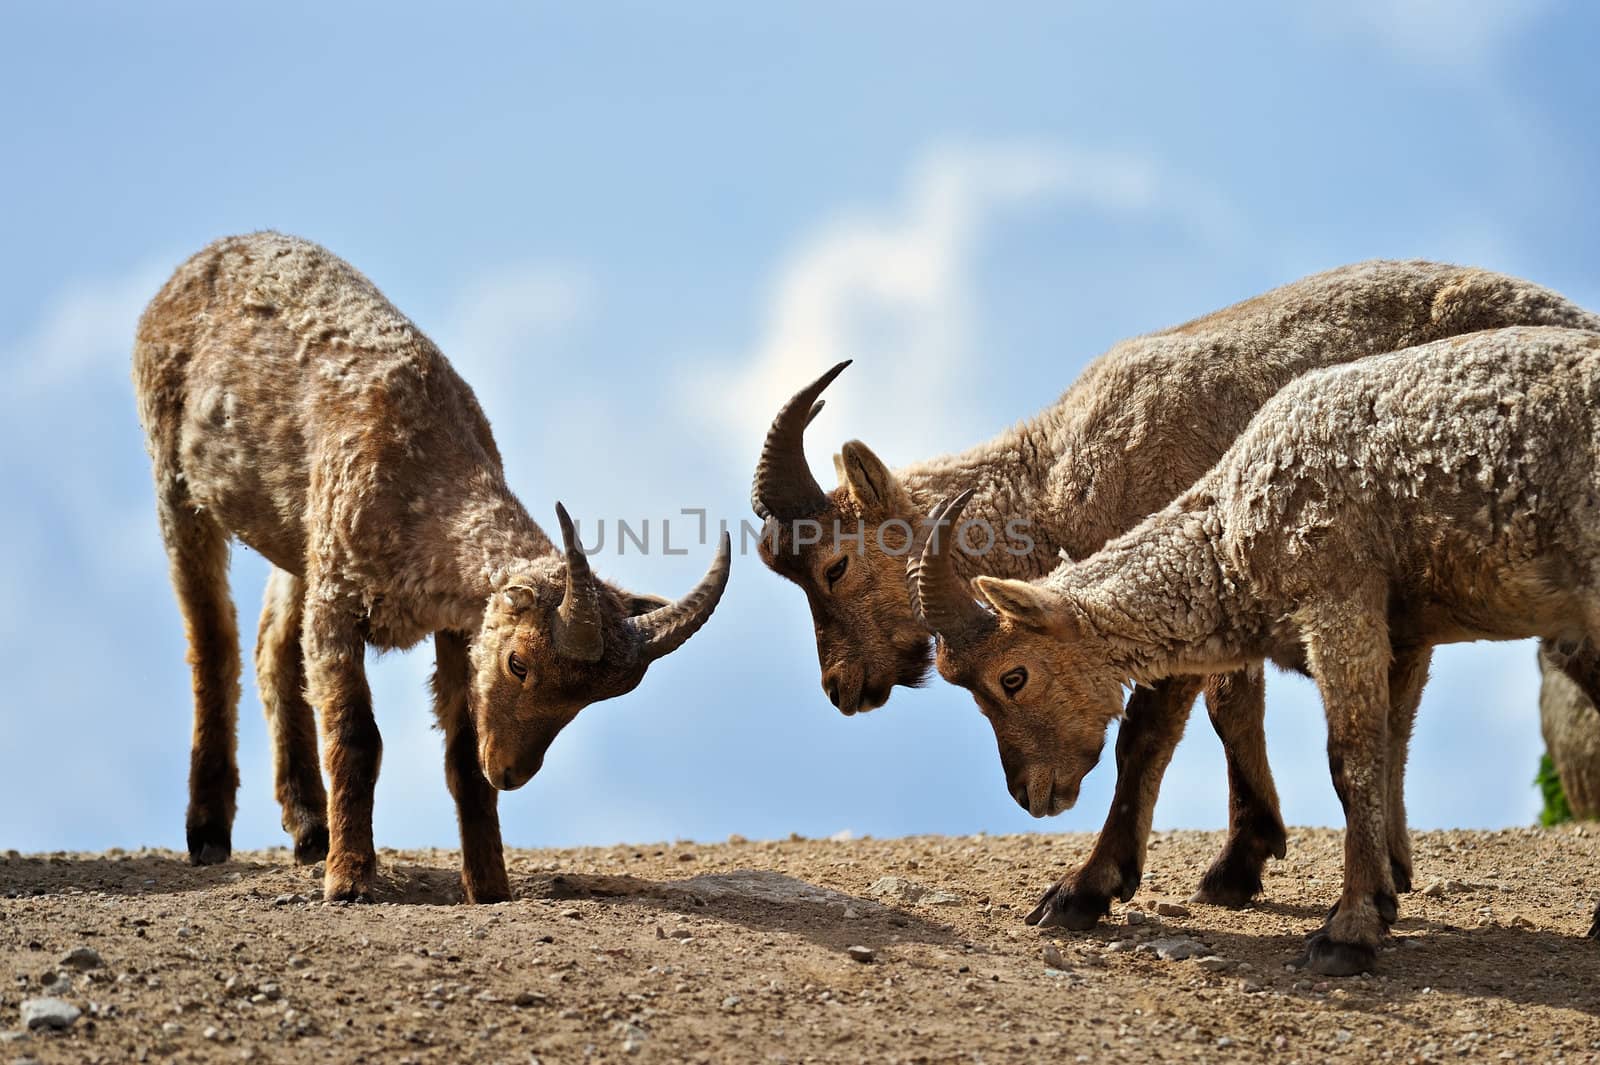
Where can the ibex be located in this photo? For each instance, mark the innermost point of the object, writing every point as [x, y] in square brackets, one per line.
[287, 403]
[1369, 512]
[1138, 427]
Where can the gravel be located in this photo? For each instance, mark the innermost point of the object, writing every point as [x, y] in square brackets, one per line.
[768, 939]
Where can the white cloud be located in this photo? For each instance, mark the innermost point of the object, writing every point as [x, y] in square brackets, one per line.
[1436, 32]
[499, 318]
[893, 290]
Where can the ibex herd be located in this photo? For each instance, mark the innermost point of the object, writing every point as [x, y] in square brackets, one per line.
[1335, 476]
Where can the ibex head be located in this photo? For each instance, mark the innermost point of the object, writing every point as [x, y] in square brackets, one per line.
[554, 641]
[847, 551]
[1045, 685]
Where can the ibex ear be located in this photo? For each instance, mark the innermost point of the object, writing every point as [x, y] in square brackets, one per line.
[838, 467]
[874, 487]
[1027, 604]
[637, 603]
[519, 597]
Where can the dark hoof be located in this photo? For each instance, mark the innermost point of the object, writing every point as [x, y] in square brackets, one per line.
[1230, 887]
[1132, 877]
[1388, 909]
[311, 846]
[1401, 875]
[1329, 958]
[1262, 834]
[1076, 912]
[1594, 929]
[209, 844]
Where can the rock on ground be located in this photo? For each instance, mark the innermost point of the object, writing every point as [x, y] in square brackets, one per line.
[49, 1013]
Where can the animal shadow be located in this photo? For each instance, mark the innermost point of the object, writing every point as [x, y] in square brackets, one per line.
[757, 899]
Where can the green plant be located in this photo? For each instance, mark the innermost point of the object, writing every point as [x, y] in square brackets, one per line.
[1555, 809]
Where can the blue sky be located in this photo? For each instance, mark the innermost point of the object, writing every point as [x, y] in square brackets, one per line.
[634, 233]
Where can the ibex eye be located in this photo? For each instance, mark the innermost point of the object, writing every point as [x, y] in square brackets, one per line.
[836, 570]
[1014, 680]
[517, 666]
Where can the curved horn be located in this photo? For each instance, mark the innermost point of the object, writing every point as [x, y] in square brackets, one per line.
[578, 632]
[663, 631]
[784, 488]
[941, 598]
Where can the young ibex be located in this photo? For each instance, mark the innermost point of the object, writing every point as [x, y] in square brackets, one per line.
[1139, 426]
[1440, 494]
[287, 403]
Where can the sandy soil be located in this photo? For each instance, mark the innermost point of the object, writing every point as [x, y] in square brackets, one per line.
[740, 952]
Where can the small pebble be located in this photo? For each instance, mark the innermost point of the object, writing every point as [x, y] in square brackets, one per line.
[83, 959]
[1172, 909]
[1174, 949]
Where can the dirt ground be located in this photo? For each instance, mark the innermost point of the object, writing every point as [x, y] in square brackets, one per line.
[739, 951]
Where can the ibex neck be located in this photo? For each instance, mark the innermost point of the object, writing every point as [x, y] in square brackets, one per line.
[1162, 597]
[1006, 475]
[489, 537]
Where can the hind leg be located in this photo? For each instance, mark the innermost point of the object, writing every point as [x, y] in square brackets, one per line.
[197, 551]
[1408, 673]
[1237, 705]
[281, 676]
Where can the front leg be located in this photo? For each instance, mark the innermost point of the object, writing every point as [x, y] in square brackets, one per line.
[483, 864]
[336, 682]
[1149, 733]
[1349, 656]
[1237, 705]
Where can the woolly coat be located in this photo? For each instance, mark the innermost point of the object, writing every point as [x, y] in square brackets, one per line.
[1456, 486]
[1149, 417]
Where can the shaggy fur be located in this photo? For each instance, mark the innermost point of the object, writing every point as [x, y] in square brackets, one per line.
[287, 403]
[1138, 427]
[1369, 512]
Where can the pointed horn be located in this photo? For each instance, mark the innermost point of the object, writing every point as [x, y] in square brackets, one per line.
[941, 598]
[578, 632]
[663, 631]
[784, 488]
[919, 540]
